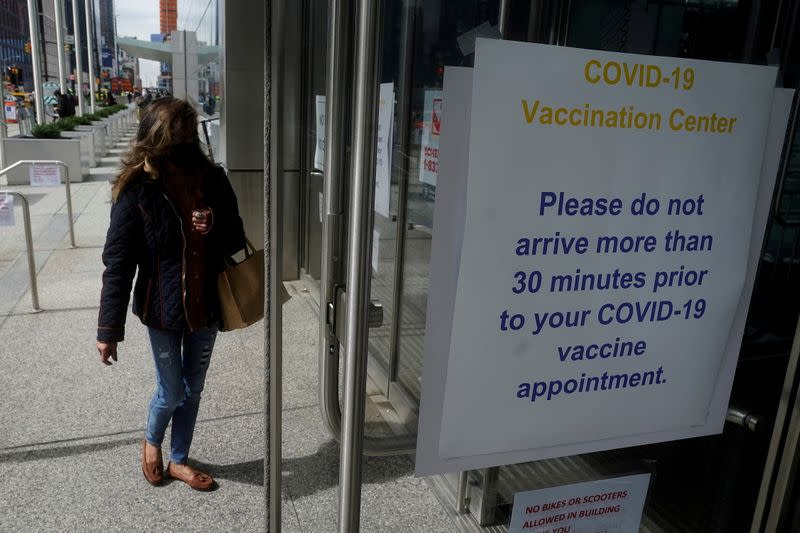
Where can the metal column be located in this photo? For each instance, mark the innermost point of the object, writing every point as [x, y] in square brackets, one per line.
[273, 260]
[89, 48]
[76, 28]
[58, 6]
[502, 18]
[339, 34]
[36, 56]
[362, 193]
[403, 133]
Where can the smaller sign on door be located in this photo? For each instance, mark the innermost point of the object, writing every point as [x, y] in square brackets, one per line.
[376, 249]
[383, 153]
[431, 129]
[611, 505]
[319, 124]
[45, 175]
[6, 210]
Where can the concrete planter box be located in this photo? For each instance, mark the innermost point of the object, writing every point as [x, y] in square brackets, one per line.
[113, 130]
[88, 153]
[100, 148]
[21, 148]
[108, 142]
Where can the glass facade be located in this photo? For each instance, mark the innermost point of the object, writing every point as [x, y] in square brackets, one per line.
[701, 484]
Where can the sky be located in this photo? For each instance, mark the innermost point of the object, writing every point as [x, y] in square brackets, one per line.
[139, 18]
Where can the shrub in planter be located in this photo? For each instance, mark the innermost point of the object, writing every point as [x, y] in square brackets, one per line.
[91, 117]
[46, 131]
[83, 120]
[67, 123]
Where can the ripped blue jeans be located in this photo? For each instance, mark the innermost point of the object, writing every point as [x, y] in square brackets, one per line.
[179, 384]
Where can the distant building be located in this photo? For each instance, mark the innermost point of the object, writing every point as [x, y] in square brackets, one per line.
[15, 39]
[13, 36]
[104, 12]
[168, 16]
[47, 39]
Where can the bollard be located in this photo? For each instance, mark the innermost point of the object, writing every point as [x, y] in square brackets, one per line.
[26, 217]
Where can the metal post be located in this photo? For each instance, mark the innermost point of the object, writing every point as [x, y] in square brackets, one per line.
[69, 204]
[461, 499]
[76, 28]
[58, 6]
[26, 217]
[404, 135]
[502, 22]
[36, 54]
[362, 193]
[339, 34]
[89, 50]
[273, 166]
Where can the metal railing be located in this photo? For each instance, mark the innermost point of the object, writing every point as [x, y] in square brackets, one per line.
[31, 162]
[26, 216]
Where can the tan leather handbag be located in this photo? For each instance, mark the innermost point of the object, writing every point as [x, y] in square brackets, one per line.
[241, 290]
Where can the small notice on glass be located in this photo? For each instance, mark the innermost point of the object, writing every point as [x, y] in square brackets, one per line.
[6, 210]
[607, 505]
[45, 175]
[376, 249]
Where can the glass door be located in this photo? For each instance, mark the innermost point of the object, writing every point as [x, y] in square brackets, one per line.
[314, 138]
[704, 484]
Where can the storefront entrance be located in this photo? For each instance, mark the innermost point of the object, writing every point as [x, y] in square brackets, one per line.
[741, 480]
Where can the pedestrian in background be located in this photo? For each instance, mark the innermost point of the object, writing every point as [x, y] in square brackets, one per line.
[175, 219]
[65, 106]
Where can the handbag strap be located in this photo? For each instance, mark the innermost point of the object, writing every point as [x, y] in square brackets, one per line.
[249, 249]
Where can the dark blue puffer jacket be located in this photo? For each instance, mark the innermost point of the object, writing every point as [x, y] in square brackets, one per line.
[145, 234]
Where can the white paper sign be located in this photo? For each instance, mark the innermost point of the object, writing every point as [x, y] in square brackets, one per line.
[11, 110]
[560, 318]
[376, 249]
[45, 175]
[383, 154]
[608, 505]
[466, 41]
[319, 150]
[6, 210]
[431, 128]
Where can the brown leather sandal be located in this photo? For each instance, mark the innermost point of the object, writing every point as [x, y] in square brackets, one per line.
[196, 479]
[153, 472]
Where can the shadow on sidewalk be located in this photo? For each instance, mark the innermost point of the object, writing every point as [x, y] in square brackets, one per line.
[22, 456]
[304, 476]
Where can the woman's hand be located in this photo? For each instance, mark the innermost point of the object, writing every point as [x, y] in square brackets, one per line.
[201, 220]
[108, 350]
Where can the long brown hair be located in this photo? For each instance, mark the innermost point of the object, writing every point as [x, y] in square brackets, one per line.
[167, 136]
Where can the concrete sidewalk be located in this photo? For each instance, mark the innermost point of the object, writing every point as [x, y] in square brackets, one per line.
[71, 428]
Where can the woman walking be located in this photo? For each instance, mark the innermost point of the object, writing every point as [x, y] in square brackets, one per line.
[175, 219]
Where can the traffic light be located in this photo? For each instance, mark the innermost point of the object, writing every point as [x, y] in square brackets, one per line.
[28, 47]
[68, 48]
